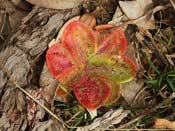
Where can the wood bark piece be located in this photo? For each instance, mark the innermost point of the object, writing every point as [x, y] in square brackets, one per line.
[56, 4]
[108, 119]
[22, 59]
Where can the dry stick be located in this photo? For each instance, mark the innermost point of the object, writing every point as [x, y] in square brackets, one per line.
[142, 116]
[171, 56]
[131, 122]
[173, 3]
[73, 117]
[30, 96]
[45, 108]
[137, 96]
[3, 24]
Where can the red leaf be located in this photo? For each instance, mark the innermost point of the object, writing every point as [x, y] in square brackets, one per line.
[92, 92]
[113, 42]
[56, 60]
[80, 40]
[67, 76]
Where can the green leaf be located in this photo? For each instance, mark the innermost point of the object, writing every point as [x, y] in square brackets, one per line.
[171, 84]
[120, 69]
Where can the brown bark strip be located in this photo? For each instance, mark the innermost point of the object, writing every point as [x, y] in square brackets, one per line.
[22, 55]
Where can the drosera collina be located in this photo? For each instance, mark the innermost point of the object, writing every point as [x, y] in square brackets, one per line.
[91, 64]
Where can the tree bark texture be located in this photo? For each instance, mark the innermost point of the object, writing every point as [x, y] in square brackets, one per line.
[22, 60]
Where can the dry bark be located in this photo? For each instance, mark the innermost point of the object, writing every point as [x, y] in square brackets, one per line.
[21, 60]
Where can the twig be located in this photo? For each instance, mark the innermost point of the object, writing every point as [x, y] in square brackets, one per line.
[3, 25]
[3, 22]
[171, 56]
[138, 94]
[173, 3]
[45, 108]
[131, 122]
[74, 116]
[158, 30]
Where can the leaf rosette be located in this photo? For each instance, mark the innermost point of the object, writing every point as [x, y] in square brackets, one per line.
[91, 64]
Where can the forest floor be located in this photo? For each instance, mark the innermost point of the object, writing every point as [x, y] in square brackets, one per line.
[148, 101]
